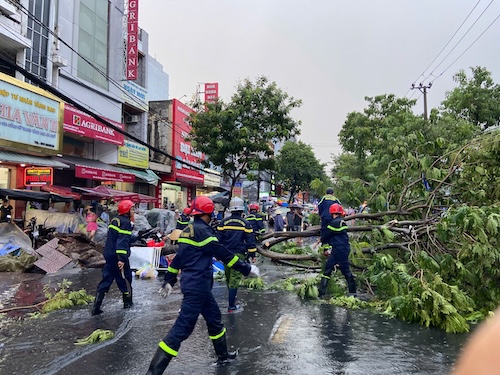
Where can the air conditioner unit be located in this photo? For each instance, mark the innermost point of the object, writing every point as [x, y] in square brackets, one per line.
[133, 119]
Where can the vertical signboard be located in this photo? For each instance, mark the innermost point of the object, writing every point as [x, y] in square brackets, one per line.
[182, 149]
[211, 92]
[132, 39]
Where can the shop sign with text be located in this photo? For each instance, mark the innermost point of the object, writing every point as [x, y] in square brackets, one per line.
[38, 176]
[134, 155]
[78, 122]
[102, 174]
[30, 118]
[132, 39]
[182, 149]
[211, 92]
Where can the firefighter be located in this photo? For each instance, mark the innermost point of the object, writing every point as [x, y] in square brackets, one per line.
[183, 220]
[198, 244]
[117, 253]
[324, 207]
[336, 236]
[255, 219]
[237, 235]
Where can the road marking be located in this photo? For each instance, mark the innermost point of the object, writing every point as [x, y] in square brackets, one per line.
[280, 329]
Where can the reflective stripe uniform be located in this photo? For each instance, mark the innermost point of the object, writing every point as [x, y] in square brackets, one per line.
[336, 236]
[324, 209]
[117, 248]
[257, 222]
[198, 244]
[182, 222]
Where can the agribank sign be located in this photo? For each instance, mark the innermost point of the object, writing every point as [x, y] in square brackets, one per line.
[30, 118]
[132, 39]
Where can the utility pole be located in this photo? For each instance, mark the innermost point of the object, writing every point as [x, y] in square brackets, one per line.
[423, 90]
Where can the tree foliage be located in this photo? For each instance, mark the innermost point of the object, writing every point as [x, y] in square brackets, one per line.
[297, 166]
[476, 99]
[430, 245]
[237, 136]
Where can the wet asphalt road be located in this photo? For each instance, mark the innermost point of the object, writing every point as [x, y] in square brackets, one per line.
[276, 333]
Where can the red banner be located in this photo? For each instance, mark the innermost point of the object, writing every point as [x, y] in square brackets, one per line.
[182, 149]
[132, 39]
[80, 123]
[211, 92]
[102, 174]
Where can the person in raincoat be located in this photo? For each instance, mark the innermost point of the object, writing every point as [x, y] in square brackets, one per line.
[198, 244]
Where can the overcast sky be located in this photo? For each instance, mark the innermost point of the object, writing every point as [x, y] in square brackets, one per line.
[329, 53]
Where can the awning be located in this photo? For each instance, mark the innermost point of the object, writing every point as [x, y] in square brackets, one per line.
[146, 174]
[61, 190]
[103, 192]
[31, 195]
[13, 157]
[96, 170]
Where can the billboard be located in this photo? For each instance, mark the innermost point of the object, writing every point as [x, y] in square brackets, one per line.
[30, 118]
[211, 92]
[182, 149]
[134, 155]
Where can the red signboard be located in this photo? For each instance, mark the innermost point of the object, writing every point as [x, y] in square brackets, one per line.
[80, 123]
[132, 39]
[211, 92]
[102, 174]
[38, 176]
[182, 149]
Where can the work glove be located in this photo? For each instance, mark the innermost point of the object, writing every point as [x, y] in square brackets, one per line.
[254, 271]
[165, 290]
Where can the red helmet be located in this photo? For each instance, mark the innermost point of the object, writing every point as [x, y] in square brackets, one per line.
[187, 211]
[202, 205]
[125, 206]
[254, 206]
[336, 209]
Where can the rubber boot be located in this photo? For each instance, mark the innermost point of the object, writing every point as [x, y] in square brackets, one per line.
[232, 300]
[220, 347]
[159, 362]
[322, 287]
[127, 300]
[96, 309]
[351, 285]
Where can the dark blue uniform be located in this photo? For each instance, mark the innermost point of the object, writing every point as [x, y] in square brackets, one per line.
[198, 244]
[336, 236]
[324, 210]
[117, 249]
[182, 222]
[257, 222]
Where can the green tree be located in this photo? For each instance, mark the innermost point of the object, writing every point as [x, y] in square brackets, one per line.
[297, 166]
[238, 136]
[476, 99]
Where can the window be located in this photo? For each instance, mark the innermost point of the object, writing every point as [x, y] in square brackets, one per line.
[93, 42]
[38, 32]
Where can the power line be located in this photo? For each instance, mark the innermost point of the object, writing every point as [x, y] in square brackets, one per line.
[448, 42]
[454, 61]
[477, 19]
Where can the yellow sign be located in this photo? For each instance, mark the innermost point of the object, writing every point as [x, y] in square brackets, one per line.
[133, 155]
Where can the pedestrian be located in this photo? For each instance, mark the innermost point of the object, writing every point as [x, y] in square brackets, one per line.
[67, 208]
[198, 244]
[237, 235]
[255, 219]
[91, 219]
[363, 207]
[116, 254]
[324, 209]
[183, 220]
[293, 218]
[279, 223]
[105, 215]
[336, 236]
[51, 207]
[6, 212]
